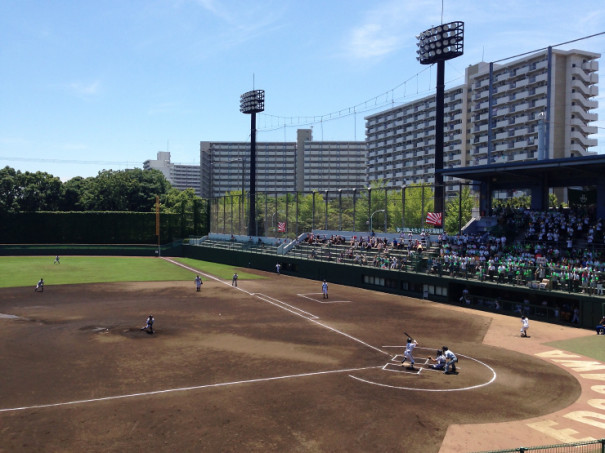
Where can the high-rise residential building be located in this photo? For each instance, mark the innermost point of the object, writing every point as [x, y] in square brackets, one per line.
[537, 107]
[180, 176]
[300, 166]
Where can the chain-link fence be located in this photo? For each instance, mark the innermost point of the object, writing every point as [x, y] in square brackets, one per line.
[386, 210]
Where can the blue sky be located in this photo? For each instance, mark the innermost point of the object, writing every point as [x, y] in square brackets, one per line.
[90, 85]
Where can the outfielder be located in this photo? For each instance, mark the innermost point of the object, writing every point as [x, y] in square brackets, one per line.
[408, 354]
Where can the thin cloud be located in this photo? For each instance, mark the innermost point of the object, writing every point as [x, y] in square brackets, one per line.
[85, 89]
[247, 19]
[371, 40]
[383, 30]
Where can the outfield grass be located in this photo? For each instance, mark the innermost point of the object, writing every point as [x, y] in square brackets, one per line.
[17, 271]
[222, 271]
[27, 270]
[592, 346]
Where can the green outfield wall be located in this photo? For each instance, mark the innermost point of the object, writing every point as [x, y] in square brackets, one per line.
[488, 296]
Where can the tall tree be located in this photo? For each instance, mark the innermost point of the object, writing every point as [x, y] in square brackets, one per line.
[10, 190]
[462, 205]
[124, 190]
[28, 191]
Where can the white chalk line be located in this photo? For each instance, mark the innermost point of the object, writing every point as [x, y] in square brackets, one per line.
[416, 389]
[279, 305]
[284, 306]
[306, 296]
[273, 300]
[181, 389]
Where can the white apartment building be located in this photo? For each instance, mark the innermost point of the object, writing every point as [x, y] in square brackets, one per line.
[537, 107]
[281, 167]
[180, 176]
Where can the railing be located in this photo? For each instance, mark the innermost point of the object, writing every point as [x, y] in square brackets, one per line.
[593, 446]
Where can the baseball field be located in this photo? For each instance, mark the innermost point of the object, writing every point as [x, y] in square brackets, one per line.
[269, 365]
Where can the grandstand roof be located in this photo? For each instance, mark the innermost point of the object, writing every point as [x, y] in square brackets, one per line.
[575, 171]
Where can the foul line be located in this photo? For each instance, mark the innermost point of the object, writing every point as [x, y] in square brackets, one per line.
[182, 389]
[278, 303]
[323, 301]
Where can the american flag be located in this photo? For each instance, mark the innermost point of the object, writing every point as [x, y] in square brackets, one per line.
[434, 218]
[281, 227]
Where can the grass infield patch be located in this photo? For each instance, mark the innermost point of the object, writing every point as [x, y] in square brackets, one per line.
[591, 346]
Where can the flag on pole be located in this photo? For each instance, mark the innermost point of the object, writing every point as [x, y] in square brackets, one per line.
[434, 218]
[281, 227]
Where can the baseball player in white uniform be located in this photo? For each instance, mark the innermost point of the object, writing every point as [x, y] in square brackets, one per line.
[450, 360]
[524, 326]
[408, 354]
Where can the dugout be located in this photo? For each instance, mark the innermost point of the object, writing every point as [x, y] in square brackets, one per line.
[538, 177]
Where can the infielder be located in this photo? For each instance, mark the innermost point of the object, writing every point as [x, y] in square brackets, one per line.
[198, 283]
[234, 280]
[450, 360]
[40, 286]
[524, 326]
[324, 289]
[408, 354]
[149, 324]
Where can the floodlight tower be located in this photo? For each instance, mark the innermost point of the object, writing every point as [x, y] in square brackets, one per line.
[251, 103]
[436, 45]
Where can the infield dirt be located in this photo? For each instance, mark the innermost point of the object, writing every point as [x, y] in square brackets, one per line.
[264, 367]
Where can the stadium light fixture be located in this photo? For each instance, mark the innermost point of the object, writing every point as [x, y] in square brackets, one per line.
[436, 45]
[251, 103]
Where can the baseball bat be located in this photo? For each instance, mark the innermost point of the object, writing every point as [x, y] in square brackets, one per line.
[408, 335]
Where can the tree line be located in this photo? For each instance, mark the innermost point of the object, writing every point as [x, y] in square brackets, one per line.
[133, 190]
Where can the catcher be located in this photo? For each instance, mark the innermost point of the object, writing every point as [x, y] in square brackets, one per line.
[437, 363]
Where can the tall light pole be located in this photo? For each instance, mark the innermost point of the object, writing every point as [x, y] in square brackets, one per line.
[436, 45]
[251, 103]
[380, 210]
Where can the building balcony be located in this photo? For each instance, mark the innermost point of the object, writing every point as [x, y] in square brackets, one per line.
[584, 141]
[591, 66]
[539, 103]
[585, 116]
[580, 99]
